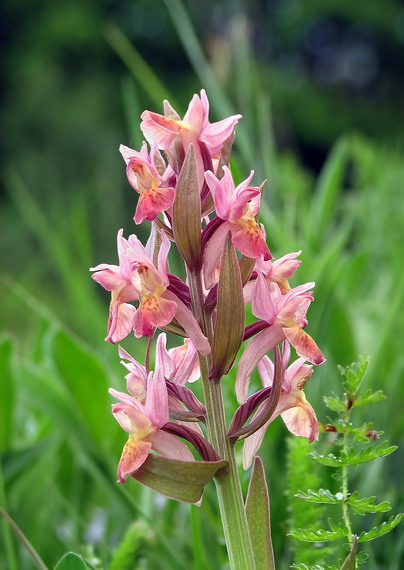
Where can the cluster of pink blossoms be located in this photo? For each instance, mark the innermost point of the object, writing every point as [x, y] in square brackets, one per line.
[188, 194]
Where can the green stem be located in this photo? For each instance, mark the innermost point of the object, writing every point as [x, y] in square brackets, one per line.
[228, 486]
[344, 484]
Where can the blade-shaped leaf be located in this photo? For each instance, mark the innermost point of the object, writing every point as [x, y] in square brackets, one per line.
[350, 560]
[71, 561]
[229, 329]
[180, 480]
[258, 517]
[7, 384]
[187, 212]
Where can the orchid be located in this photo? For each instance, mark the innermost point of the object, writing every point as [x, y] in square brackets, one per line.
[285, 316]
[194, 127]
[295, 410]
[237, 207]
[143, 423]
[188, 194]
[155, 193]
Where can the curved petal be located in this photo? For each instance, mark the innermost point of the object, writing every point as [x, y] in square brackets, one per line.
[188, 322]
[121, 321]
[214, 135]
[159, 129]
[302, 421]
[213, 251]
[154, 311]
[171, 446]
[134, 454]
[163, 359]
[304, 344]
[151, 203]
[248, 239]
[258, 347]
[156, 405]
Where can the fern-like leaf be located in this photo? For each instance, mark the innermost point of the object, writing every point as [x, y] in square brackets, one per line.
[354, 457]
[320, 535]
[367, 504]
[320, 496]
[384, 528]
[334, 403]
[352, 375]
[368, 397]
[316, 567]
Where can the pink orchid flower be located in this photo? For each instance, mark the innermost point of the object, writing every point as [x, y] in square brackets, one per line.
[143, 423]
[143, 176]
[285, 315]
[158, 305]
[237, 206]
[118, 280]
[194, 127]
[295, 410]
[137, 278]
[278, 271]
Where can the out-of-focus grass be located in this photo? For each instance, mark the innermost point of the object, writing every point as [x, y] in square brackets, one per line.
[59, 442]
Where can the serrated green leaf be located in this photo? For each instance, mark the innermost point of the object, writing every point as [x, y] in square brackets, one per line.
[330, 459]
[362, 557]
[367, 504]
[354, 457]
[315, 567]
[321, 496]
[368, 397]
[381, 530]
[71, 561]
[352, 375]
[320, 535]
[334, 403]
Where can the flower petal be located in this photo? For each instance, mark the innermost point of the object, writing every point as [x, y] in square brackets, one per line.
[304, 344]
[258, 347]
[134, 454]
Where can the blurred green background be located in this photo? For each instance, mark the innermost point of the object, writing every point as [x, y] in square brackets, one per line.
[320, 88]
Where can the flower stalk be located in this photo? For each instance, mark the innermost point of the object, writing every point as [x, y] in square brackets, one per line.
[227, 482]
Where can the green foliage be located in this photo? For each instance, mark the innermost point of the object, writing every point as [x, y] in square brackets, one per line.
[348, 438]
[71, 561]
[132, 552]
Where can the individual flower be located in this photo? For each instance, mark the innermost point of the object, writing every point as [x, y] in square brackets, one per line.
[237, 207]
[285, 316]
[143, 423]
[118, 280]
[137, 278]
[194, 127]
[295, 410]
[155, 195]
[278, 271]
[166, 130]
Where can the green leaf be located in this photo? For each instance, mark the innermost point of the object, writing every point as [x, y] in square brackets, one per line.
[71, 561]
[329, 185]
[84, 376]
[354, 457]
[321, 496]
[7, 388]
[320, 535]
[187, 212]
[368, 397]
[334, 403]
[230, 320]
[350, 560]
[302, 566]
[381, 530]
[258, 517]
[352, 375]
[367, 504]
[180, 480]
